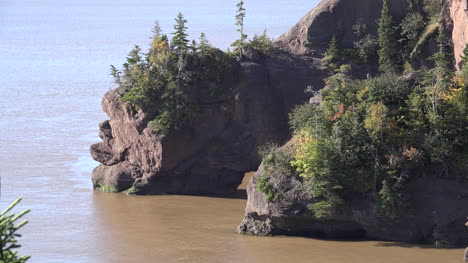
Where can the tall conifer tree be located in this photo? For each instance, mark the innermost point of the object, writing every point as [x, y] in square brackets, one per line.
[180, 42]
[240, 43]
[388, 50]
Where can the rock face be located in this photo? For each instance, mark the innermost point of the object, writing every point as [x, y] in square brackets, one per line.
[211, 155]
[459, 15]
[314, 31]
[437, 212]
[438, 204]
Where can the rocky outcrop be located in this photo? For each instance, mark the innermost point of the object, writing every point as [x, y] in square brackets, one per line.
[314, 31]
[210, 155]
[459, 15]
[436, 212]
[438, 204]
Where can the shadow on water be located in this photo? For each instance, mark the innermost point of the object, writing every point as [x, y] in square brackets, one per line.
[414, 245]
[238, 194]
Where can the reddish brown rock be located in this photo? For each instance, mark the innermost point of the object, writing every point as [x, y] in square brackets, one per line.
[313, 32]
[211, 154]
[459, 15]
[439, 209]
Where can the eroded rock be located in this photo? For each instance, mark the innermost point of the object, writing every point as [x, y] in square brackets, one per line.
[210, 155]
[312, 34]
[459, 15]
[438, 208]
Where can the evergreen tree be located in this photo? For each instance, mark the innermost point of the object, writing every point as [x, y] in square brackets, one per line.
[464, 57]
[156, 30]
[240, 43]
[388, 50]
[9, 233]
[442, 59]
[333, 50]
[438, 78]
[203, 44]
[180, 42]
[464, 64]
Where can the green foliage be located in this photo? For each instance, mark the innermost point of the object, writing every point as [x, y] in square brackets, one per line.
[277, 160]
[374, 135]
[464, 67]
[388, 50]
[322, 209]
[366, 47]
[333, 51]
[432, 9]
[9, 234]
[203, 45]
[239, 44]
[261, 43]
[264, 186]
[108, 188]
[179, 41]
[391, 201]
[301, 116]
[411, 28]
[161, 81]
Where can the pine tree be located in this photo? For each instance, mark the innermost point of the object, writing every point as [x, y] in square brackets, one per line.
[156, 30]
[464, 64]
[9, 234]
[333, 50]
[438, 77]
[442, 59]
[240, 43]
[464, 57]
[388, 51]
[203, 44]
[180, 42]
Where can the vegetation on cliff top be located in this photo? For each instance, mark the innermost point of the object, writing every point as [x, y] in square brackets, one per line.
[164, 80]
[376, 135]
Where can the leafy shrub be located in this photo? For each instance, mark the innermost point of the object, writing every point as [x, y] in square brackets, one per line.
[277, 160]
[264, 186]
[366, 47]
[373, 135]
[301, 116]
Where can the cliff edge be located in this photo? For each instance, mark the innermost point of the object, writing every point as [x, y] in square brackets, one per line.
[212, 153]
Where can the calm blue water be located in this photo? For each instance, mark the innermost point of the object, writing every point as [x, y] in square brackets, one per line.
[54, 64]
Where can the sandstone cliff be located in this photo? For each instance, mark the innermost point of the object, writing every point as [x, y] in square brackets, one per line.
[311, 35]
[213, 153]
[459, 16]
[440, 204]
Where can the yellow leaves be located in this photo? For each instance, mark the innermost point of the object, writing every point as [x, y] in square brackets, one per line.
[376, 120]
[455, 90]
[306, 155]
[159, 45]
[362, 93]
